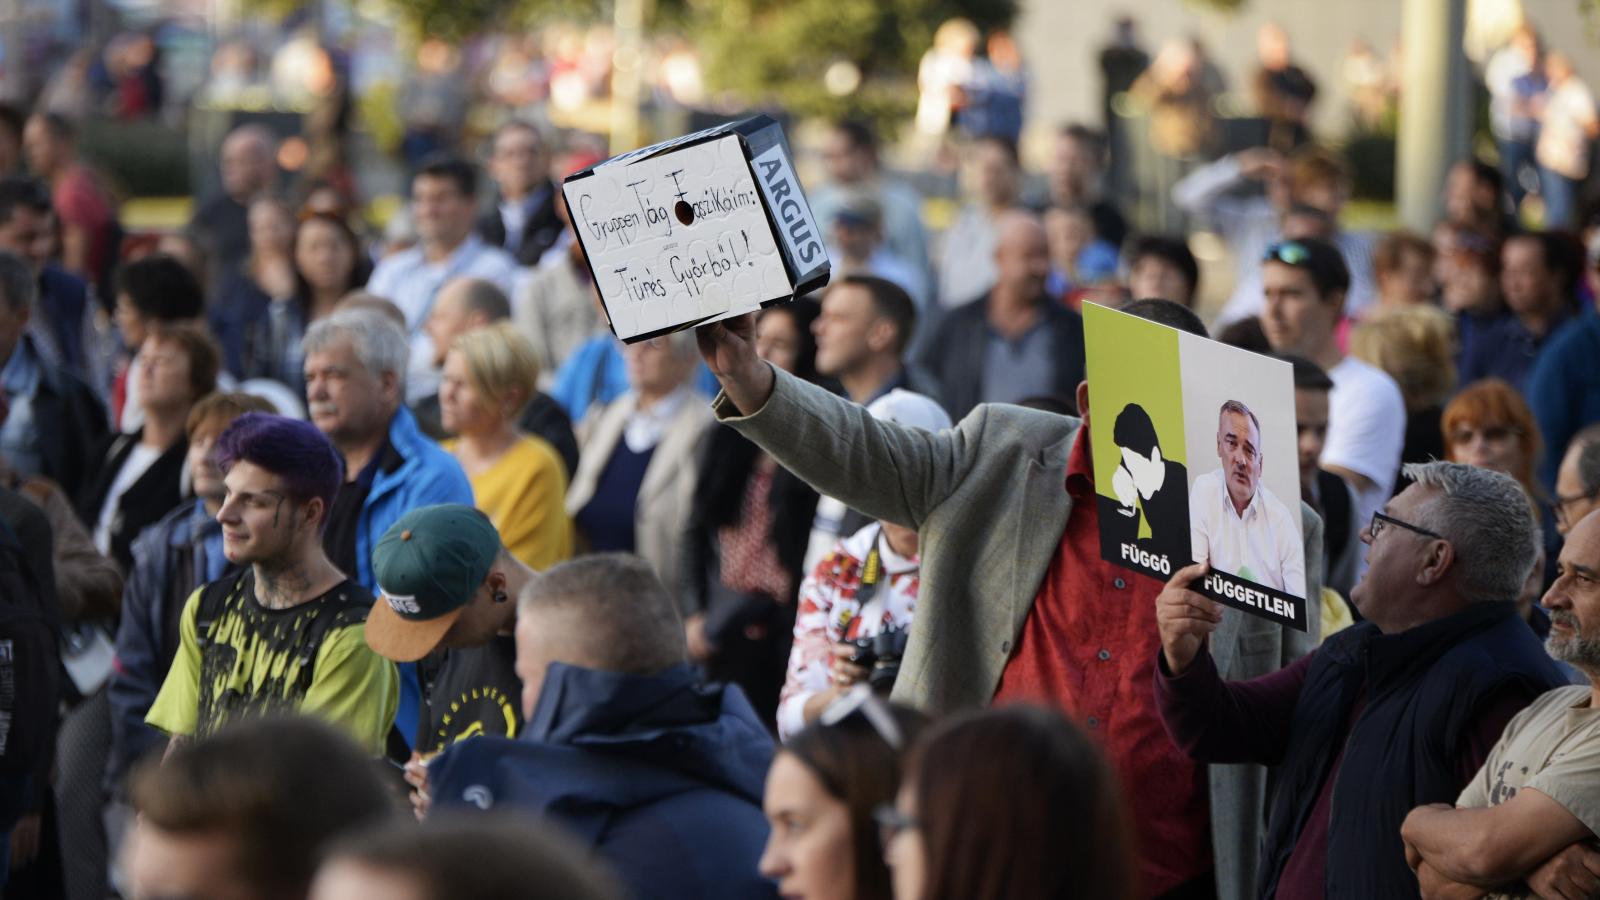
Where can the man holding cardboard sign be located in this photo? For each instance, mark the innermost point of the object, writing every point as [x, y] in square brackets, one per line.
[1015, 595]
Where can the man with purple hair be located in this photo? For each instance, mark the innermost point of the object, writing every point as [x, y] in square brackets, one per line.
[287, 633]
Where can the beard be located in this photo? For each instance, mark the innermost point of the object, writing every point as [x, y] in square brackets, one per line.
[1576, 650]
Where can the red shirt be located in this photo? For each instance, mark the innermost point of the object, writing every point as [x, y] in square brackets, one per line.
[1089, 648]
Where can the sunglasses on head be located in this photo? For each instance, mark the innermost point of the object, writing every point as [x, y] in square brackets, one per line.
[1292, 253]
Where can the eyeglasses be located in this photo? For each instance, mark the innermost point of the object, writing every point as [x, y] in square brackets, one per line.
[1562, 503]
[1380, 521]
[861, 699]
[1291, 253]
[891, 823]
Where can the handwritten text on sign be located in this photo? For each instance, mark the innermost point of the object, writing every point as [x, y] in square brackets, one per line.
[678, 237]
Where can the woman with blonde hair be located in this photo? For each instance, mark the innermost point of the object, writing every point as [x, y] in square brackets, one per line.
[1416, 346]
[518, 479]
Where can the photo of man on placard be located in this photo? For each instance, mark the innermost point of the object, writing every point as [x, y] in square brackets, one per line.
[1236, 523]
[1149, 510]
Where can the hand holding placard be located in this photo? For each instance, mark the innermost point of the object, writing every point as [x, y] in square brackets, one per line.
[1185, 617]
[729, 349]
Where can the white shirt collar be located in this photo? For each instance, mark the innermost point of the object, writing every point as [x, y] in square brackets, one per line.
[645, 427]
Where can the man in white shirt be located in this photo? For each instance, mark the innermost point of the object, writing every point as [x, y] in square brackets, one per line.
[1304, 287]
[443, 206]
[1235, 522]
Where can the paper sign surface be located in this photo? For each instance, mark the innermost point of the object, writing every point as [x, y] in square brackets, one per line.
[1197, 457]
[678, 238]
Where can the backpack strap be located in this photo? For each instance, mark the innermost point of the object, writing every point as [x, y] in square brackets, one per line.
[346, 606]
[213, 599]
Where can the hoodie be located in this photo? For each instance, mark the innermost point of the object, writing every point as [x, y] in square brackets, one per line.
[660, 774]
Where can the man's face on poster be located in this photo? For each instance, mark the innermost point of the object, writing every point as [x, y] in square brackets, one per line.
[1239, 450]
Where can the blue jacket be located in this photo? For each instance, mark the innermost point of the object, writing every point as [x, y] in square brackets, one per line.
[64, 301]
[1564, 388]
[170, 561]
[661, 775]
[427, 476]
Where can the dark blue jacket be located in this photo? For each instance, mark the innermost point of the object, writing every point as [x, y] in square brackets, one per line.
[169, 564]
[661, 775]
[1564, 389]
[1424, 688]
[64, 301]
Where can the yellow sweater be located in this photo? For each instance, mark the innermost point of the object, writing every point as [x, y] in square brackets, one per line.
[524, 495]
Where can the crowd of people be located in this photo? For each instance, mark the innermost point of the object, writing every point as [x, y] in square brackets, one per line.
[308, 530]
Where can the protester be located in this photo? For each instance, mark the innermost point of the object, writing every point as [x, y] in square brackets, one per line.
[249, 169]
[856, 247]
[825, 786]
[1536, 282]
[172, 558]
[1251, 224]
[635, 485]
[1162, 267]
[152, 290]
[1415, 346]
[1475, 198]
[284, 634]
[1283, 91]
[524, 220]
[446, 581]
[518, 480]
[486, 858]
[267, 272]
[746, 538]
[864, 587]
[1402, 264]
[862, 335]
[1489, 425]
[964, 830]
[1564, 385]
[1014, 341]
[1304, 286]
[1079, 261]
[850, 156]
[467, 304]
[1568, 128]
[998, 487]
[1408, 702]
[1327, 493]
[54, 421]
[555, 304]
[1527, 818]
[1076, 177]
[1577, 491]
[249, 812]
[140, 475]
[85, 210]
[658, 774]
[63, 329]
[1515, 78]
[968, 257]
[443, 202]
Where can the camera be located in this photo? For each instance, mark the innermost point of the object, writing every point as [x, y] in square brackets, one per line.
[881, 654]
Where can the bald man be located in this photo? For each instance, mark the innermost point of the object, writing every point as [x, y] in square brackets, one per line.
[1013, 342]
[249, 169]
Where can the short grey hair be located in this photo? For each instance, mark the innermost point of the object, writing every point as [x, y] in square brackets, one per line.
[379, 344]
[1588, 443]
[18, 286]
[1234, 406]
[626, 619]
[1487, 517]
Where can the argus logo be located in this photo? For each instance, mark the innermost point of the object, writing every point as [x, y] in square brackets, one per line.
[478, 796]
[782, 188]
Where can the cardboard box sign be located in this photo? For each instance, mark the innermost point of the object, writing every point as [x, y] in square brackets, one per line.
[693, 230]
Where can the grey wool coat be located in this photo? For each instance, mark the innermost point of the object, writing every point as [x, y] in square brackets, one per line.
[987, 499]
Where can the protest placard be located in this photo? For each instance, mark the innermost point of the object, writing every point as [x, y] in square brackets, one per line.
[700, 228]
[1196, 457]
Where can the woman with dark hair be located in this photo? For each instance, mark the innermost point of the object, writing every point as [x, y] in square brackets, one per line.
[328, 263]
[1014, 803]
[824, 788]
[748, 532]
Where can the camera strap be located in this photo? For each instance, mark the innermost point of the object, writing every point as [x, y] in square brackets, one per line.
[871, 574]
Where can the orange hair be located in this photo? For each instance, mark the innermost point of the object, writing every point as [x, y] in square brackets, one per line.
[1491, 402]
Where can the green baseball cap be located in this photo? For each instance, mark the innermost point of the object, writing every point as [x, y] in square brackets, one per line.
[429, 565]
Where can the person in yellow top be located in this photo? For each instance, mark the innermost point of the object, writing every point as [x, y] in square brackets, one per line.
[285, 634]
[518, 480]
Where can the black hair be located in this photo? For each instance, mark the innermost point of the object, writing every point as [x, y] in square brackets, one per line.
[12, 120]
[1166, 312]
[1092, 138]
[1170, 249]
[802, 311]
[1308, 376]
[860, 134]
[1246, 334]
[161, 288]
[1324, 263]
[1135, 431]
[890, 301]
[24, 192]
[1487, 174]
[452, 168]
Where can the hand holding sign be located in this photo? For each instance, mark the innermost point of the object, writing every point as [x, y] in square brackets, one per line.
[1185, 617]
[729, 349]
